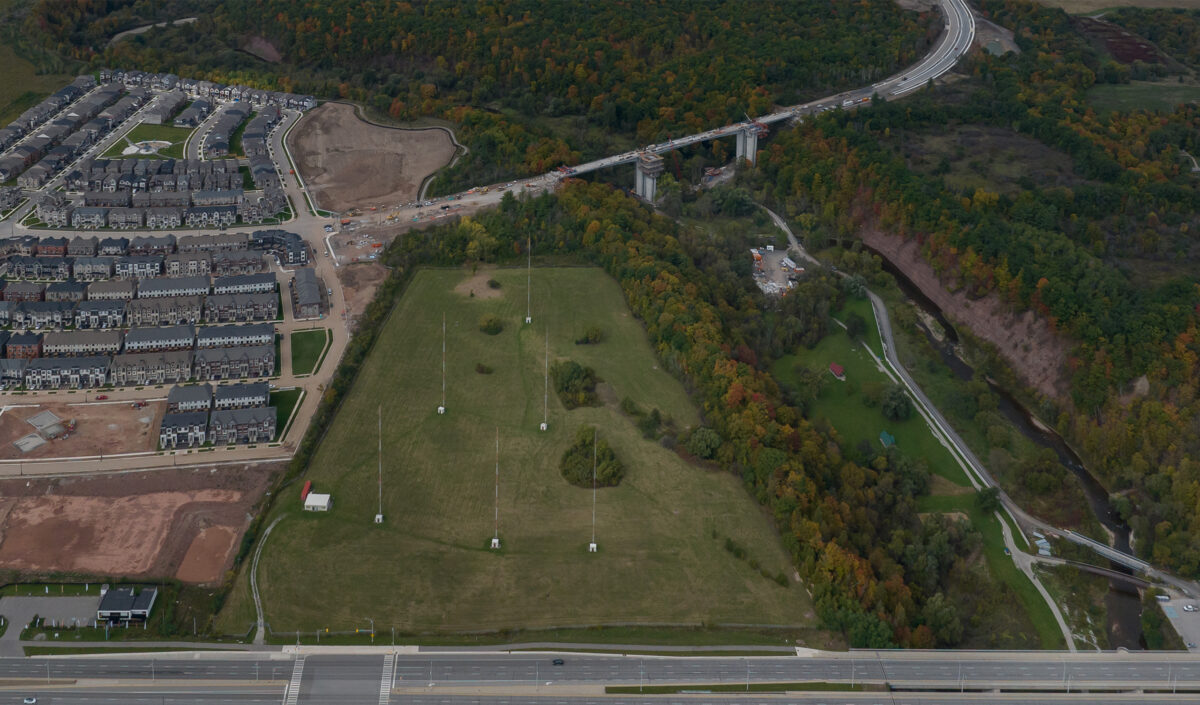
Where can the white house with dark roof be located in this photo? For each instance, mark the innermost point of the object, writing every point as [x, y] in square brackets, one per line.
[160, 339]
[190, 397]
[241, 395]
[234, 335]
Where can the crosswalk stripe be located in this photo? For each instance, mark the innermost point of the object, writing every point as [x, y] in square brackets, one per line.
[292, 694]
[385, 681]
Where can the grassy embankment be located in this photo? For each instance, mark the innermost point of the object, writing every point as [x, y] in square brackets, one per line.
[661, 533]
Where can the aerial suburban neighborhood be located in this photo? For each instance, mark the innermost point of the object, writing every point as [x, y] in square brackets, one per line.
[496, 352]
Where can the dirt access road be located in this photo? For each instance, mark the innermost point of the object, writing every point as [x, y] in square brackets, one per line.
[348, 162]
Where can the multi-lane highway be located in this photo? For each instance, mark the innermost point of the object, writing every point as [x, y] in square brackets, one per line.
[954, 41]
[1035, 670]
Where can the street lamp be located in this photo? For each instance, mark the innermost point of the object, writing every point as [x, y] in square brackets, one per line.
[372, 621]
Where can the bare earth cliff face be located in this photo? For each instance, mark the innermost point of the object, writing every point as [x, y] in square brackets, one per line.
[1026, 341]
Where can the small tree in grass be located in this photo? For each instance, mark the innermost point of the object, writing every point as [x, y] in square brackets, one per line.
[491, 324]
[576, 463]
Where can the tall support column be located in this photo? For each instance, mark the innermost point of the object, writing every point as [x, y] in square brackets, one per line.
[747, 144]
[649, 167]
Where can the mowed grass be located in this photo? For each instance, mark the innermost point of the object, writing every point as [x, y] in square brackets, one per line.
[841, 403]
[1142, 95]
[22, 87]
[307, 348]
[428, 566]
[167, 133]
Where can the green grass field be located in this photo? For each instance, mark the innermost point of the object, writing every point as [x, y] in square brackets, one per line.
[308, 346]
[167, 133]
[428, 567]
[1142, 95]
[22, 87]
[284, 401]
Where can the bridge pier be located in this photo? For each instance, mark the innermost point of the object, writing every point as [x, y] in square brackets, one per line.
[649, 167]
[747, 144]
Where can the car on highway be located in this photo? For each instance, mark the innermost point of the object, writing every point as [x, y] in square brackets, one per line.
[30, 700]
[558, 662]
[101, 397]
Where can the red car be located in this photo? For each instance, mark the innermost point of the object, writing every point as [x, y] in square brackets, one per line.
[101, 397]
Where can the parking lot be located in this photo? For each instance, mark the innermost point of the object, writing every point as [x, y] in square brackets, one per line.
[1186, 621]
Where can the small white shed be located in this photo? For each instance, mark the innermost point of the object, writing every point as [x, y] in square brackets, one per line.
[316, 502]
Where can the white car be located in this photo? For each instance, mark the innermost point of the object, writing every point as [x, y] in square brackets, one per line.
[1189, 608]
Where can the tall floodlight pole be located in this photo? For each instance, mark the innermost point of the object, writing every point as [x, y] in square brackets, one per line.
[595, 450]
[546, 387]
[442, 408]
[496, 533]
[529, 280]
[379, 516]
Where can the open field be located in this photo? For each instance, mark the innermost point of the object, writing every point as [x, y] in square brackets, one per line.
[22, 87]
[101, 429]
[1142, 95]
[163, 133]
[350, 163]
[307, 348]
[169, 523]
[661, 533]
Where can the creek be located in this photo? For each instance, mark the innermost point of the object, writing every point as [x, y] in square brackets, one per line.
[1123, 603]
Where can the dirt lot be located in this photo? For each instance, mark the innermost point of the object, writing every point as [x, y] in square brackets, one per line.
[348, 162]
[181, 523]
[477, 286]
[359, 282]
[101, 429]
[1124, 46]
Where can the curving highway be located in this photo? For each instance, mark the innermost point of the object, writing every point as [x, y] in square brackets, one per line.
[955, 40]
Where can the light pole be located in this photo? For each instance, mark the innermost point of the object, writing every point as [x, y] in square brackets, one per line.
[372, 621]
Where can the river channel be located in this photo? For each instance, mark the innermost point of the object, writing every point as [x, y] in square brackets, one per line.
[1122, 601]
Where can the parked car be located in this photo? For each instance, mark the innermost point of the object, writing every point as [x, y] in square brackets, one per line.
[101, 397]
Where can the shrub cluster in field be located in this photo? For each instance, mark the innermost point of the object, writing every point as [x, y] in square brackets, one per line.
[574, 384]
[591, 336]
[491, 324]
[576, 463]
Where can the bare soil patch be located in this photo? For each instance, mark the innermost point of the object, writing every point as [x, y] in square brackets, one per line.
[477, 285]
[205, 559]
[101, 429]
[348, 162]
[182, 523]
[262, 48]
[987, 32]
[359, 283]
[1025, 340]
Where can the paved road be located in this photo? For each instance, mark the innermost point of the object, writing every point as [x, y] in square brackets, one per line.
[901, 669]
[198, 696]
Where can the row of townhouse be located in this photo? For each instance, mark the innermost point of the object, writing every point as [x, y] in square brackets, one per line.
[218, 140]
[230, 195]
[288, 247]
[227, 427]
[201, 397]
[141, 369]
[78, 343]
[240, 413]
[39, 114]
[94, 314]
[55, 210]
[164, 108]
[137, 277]
[10, 196]
[153, 174]
[90, 269]
[208, 89]
[55, 145]
[254, 137]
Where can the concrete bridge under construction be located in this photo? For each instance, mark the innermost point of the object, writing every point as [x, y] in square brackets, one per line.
[955, 40]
